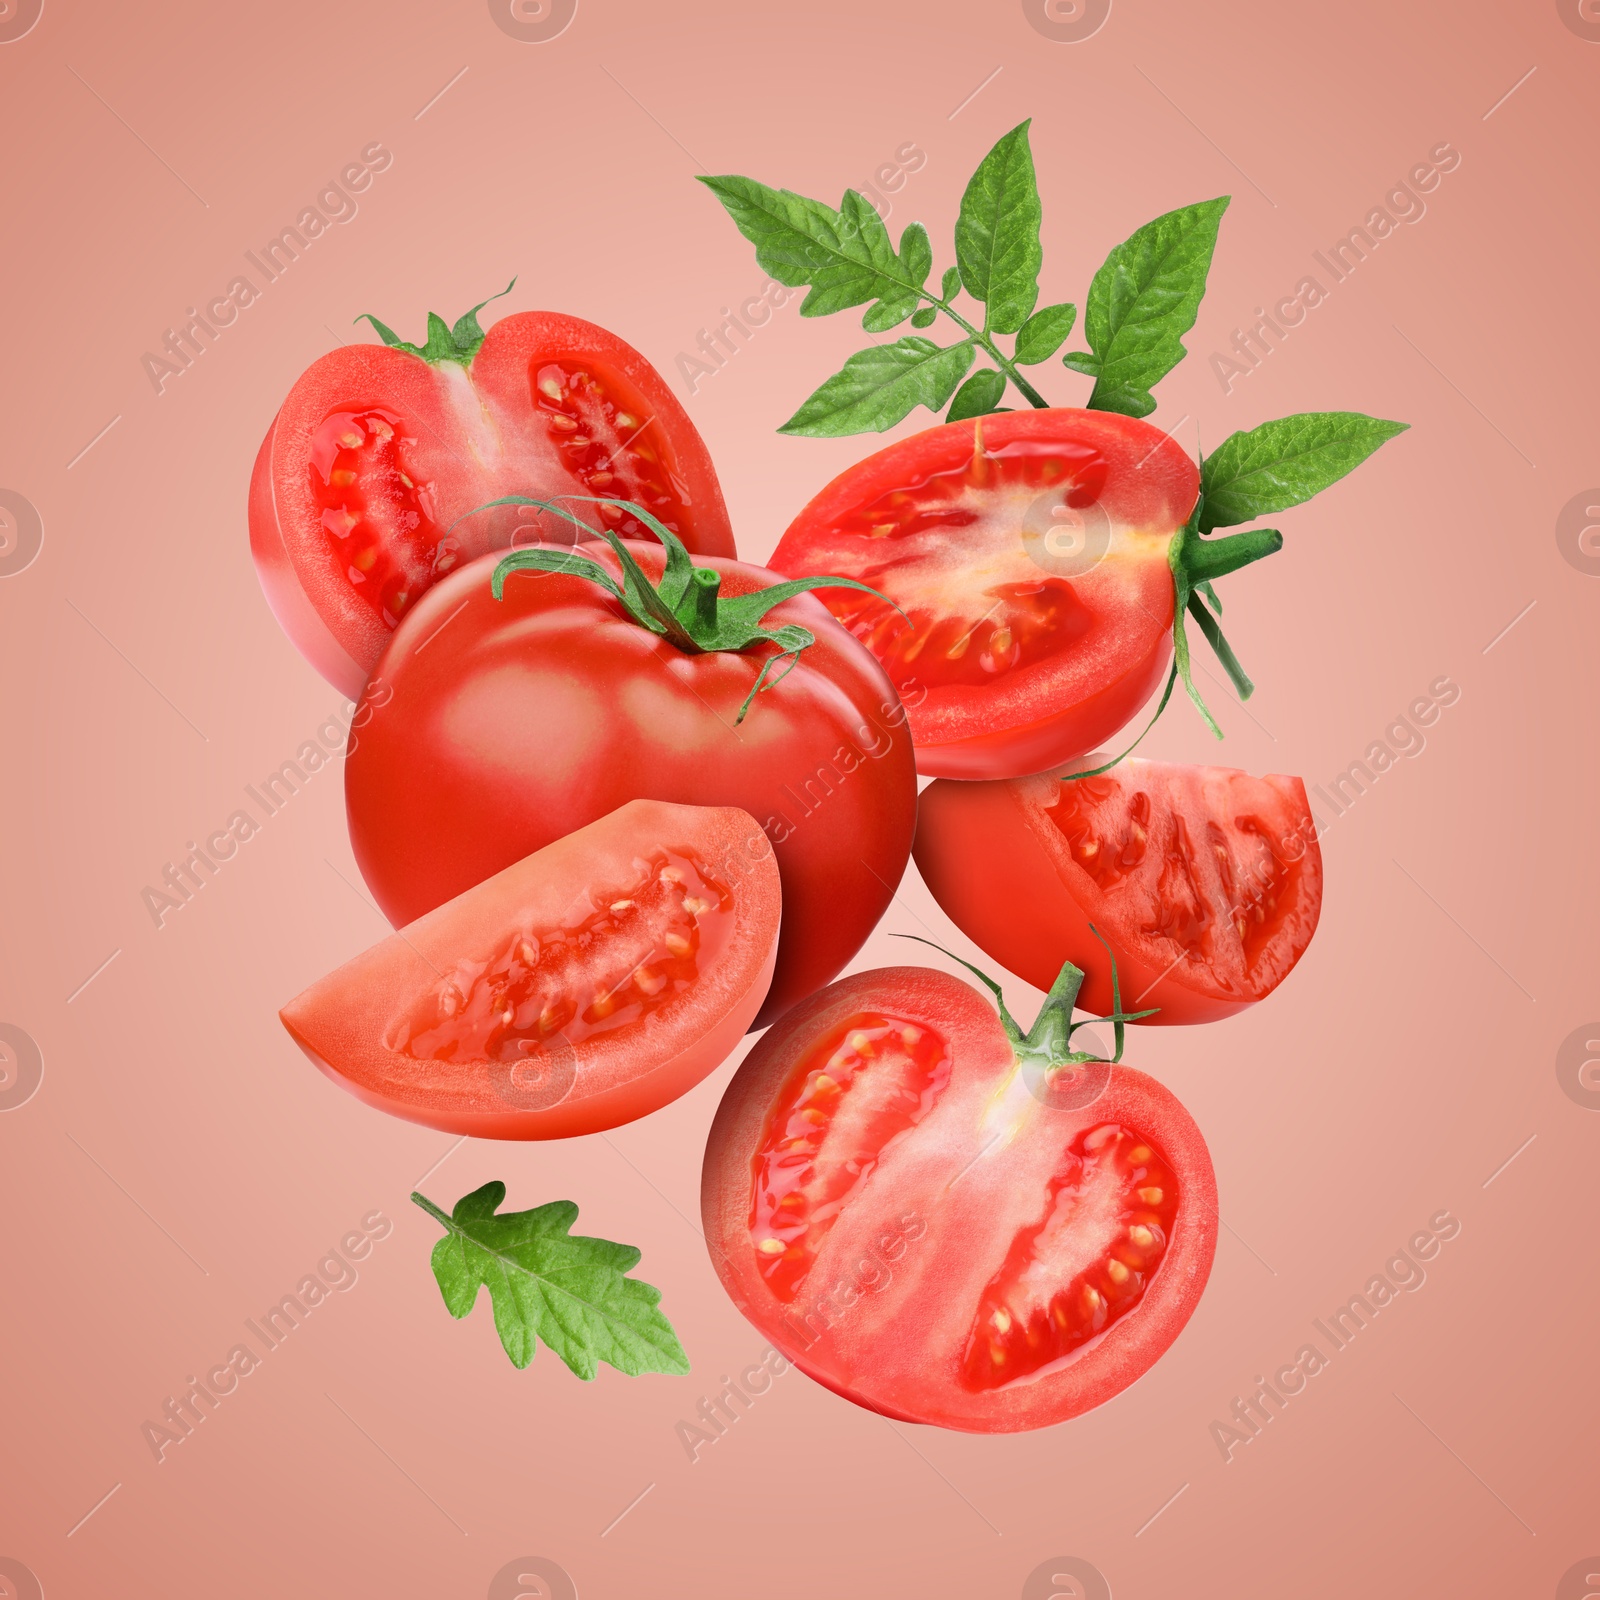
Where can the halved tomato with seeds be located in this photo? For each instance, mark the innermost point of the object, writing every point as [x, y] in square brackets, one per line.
[1028, 556]
[587, 985]
[379, 452]
[951, 1222]
[1205, 881]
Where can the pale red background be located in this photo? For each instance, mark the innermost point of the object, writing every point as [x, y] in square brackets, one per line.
[181, 1166]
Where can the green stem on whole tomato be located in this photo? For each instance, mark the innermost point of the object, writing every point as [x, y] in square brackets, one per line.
[687, 607]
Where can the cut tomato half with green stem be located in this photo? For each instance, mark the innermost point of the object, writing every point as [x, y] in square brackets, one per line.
[380, 451]
[1038, 560]
[951, 1221]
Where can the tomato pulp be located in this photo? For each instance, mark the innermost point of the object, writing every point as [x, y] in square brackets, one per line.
[497, 726]
[583, 987]
[1205, 882]
[377, 453]
[942, 1229]
[1029, 554]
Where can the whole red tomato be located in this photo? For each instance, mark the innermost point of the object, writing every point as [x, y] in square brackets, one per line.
[1028, 554]
[379, 450]
[508, 722]
[950, 1221]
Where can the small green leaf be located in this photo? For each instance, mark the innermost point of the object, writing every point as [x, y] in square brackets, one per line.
[1142, 302]
[1282, 463]
[552, 1286]
[1043, 334]
[950, 283]
[978, 396]
[997, 233]
[925, 317]
[878, 387]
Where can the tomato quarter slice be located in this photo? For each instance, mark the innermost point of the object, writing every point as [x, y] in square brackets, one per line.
[1206, 881]
[898, 1201]
[583, 987]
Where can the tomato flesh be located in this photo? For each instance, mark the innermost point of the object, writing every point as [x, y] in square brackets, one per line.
[369, 485]
[861, 1089]
[1026, 559]
[1207, 882]
[1107, 1217]
[581, 987]
[900, 1202]
[607, 973]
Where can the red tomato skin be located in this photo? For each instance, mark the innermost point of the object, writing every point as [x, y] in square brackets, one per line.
[340, 1022]
[1046, 714]
[890, 1352]
[1002, 879]
[495, 727]
[480, 431]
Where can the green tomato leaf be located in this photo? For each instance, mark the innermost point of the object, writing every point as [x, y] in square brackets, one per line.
[1142, 302]
[925, 317]
[997, 233]
[978, 396]
[1282, 463]
[1043, 334]
[878, 387]
[950, 283]
[845, 256]
[551, 1286]
[916, 261]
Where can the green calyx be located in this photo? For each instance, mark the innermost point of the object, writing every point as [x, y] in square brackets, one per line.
[687, 607]
[1196, 561]
[445, 343]
[1049, 1041]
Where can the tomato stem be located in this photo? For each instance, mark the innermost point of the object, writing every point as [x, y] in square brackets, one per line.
[981, 336]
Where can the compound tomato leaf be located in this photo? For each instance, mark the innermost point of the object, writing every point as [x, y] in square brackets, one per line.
[877, 387]
[549, 1285]
[997, 233]
[1284, 462]
[1141, 303]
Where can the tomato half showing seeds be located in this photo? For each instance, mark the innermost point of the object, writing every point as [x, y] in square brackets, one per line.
[494, 726]
[379, 450]
[581, 988]
[1028, 553]
[1205, 882]
[950, 1222]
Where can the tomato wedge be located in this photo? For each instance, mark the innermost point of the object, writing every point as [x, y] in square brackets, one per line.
[379, 451]
[1029, 555]
[583, 987]
[1206, 882]
[949, 1222]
